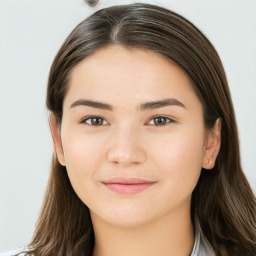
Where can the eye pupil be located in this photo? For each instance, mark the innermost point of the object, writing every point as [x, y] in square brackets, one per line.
[96, 121]
[160, 120]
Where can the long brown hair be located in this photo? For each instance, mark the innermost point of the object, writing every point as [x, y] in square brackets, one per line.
[222, 203]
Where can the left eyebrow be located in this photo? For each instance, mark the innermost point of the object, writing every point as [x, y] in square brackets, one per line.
[141, 107]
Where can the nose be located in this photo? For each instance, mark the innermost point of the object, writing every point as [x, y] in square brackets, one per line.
[126, 148]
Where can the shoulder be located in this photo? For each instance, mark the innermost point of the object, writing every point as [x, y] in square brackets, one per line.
[17, 251]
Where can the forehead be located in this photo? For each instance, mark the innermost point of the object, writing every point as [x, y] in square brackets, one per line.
[136, 61]
[119, 74]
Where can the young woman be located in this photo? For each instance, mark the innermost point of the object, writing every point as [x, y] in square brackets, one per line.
[146, 155]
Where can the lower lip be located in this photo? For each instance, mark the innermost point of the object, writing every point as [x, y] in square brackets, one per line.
[128, 188]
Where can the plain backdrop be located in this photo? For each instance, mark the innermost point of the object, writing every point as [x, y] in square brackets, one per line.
[31, 32]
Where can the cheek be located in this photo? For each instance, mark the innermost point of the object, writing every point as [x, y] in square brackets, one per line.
[82, 157]
[81, 150]
[181, 161]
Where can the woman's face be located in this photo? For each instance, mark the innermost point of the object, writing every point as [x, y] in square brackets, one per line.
[122, 140]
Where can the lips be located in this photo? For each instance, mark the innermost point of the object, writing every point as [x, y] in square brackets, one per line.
[127, 185]
[122, 180]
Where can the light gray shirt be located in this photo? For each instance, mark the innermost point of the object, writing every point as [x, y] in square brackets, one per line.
[201, 246]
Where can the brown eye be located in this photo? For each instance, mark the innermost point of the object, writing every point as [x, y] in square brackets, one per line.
[94, 121]
[161, 121]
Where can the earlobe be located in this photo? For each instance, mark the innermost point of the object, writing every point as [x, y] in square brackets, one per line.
[212, 146]
[55, 130]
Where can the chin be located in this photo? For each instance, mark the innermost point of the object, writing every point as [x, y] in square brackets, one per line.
[134, 222]
[128, 218]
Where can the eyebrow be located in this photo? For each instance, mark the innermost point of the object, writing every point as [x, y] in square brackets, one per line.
[141, 107]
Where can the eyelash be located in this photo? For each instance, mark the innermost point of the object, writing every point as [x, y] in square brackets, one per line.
[157, 125]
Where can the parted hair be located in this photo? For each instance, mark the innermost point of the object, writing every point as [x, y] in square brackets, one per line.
[222, 202]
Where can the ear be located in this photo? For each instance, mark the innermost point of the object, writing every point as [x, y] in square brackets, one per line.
[56, 136]
[212, 145]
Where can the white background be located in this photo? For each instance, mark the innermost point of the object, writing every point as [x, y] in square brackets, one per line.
[31, 31]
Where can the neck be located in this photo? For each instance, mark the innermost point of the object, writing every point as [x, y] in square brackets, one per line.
[171, 235]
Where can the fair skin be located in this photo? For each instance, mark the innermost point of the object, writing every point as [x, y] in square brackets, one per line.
[127, 143]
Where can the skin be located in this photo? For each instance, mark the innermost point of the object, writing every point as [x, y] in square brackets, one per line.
[129, 144]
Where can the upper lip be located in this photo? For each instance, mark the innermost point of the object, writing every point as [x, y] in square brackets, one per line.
[122, 180]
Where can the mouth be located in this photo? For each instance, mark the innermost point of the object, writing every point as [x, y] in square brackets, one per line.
[127, 185]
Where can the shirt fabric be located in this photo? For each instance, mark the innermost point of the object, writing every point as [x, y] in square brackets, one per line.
[201, 246]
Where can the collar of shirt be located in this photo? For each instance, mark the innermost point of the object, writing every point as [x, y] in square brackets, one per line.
[201, 246]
